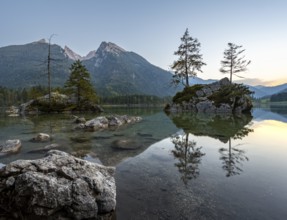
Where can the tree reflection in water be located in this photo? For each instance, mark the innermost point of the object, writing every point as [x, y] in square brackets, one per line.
[221, 127]
[232, 159]
[188, 155]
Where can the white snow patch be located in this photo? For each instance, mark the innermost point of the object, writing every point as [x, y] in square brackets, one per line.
[74, 56]
[90, 55]
[109, 48]
[71, 54]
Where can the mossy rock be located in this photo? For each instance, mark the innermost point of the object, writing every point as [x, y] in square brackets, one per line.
[187, 94]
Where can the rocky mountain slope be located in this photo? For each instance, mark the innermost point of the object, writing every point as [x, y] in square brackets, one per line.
[114, 71]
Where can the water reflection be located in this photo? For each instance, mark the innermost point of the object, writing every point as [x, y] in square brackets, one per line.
[279, 109]
[222, 127]
[232, 159]
[110, 146]
[188, 156]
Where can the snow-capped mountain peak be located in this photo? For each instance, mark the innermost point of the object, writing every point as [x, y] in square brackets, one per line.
[90, 55]
[108, 47]
[71, 54]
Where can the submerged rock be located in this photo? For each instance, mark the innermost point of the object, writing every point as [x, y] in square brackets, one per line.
[57, 186]
[126, 144]
[10, 146]
[79, 120]
[41, 137]
[45, 149]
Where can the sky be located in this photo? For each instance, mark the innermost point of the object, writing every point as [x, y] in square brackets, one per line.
[153, 28]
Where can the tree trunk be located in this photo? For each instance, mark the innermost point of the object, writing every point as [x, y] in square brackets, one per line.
[78, 98]
[187, 80]
[49, 74]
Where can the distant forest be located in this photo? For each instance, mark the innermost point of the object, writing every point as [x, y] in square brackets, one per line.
[10, 97]
[279, 97]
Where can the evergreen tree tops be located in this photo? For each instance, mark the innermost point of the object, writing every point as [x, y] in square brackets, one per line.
[189, 61]
[79, 85]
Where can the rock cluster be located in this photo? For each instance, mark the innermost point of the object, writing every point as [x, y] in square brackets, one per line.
[57, 186]
[13, 111]
[217, 97]
[104, 122]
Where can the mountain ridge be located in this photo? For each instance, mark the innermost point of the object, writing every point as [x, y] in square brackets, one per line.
[114, 71]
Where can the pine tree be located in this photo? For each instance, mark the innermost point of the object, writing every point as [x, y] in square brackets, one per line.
[80, 86]
[189, 61]
[233, 62]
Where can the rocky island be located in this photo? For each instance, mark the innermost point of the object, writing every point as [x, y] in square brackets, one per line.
[59, 103]
[217, 97]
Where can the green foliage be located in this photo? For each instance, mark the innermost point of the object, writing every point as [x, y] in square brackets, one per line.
[10, 97]
[79, 85]
[23, 66]
[135, 100]
[279, 97]
[37, 91]
[229, 94]
[187, 93]
[59, 103]
[189, 61]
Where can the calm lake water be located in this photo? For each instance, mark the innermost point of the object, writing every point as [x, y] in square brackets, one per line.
[187, 166]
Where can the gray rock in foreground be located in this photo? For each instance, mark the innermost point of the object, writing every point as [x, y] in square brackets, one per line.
[57, 186]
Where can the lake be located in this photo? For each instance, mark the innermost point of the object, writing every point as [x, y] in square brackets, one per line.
[187, 166]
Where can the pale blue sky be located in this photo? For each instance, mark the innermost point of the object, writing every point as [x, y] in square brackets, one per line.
[152, 28]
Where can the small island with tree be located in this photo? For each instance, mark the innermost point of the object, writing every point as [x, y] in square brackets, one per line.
[78, 94]
[222, 96]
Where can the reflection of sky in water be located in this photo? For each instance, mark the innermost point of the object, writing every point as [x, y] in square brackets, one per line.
[258, 192]
[149, 184]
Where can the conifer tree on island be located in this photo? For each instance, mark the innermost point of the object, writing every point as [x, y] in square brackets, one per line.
[234, 62]
[80, 86]
[189, 61]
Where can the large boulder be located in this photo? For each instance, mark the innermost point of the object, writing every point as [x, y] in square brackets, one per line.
[97, 123]
[218, 97]
[58, 185]
[10, 146]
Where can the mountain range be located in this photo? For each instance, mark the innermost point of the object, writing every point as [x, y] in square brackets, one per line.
[114, 71]
[266, 91]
